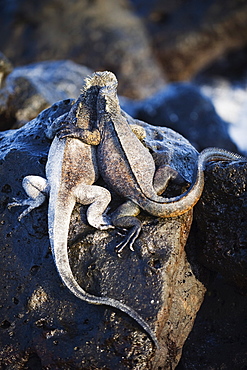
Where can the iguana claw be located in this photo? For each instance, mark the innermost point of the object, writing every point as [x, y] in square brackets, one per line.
[129, 239]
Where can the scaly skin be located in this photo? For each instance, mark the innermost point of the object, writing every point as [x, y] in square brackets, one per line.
[128, 167]
[71, 170]
[61, 204]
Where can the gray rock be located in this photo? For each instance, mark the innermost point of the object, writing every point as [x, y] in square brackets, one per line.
[42, 323]
[29, 89]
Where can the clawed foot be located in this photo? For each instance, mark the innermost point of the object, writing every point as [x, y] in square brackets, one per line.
[129, 239]
[31, 203]
[89, 137]
[17, 203]
[66, 130]
[130, 224]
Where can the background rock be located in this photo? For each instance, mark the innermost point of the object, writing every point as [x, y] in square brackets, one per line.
[188, 36]
[101, 35]
[230, 100]
[182, 107]
[29, 89]
[143, 43]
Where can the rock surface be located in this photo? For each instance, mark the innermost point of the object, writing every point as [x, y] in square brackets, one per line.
[218, 338]
[221, 219]
[27, 90]
[42, 323]
[218, 241]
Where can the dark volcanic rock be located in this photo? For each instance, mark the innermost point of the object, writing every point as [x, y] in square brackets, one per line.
[218, 339]
[221, 219]
[42, 323]
[182, 107]
[218, 239]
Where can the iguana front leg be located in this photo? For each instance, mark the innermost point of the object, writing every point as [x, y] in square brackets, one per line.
[96, 197]
[66, 126]
[37, 189]
[90, 137]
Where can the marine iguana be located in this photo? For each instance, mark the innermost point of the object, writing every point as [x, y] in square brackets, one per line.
[71, 170]
[128, 167]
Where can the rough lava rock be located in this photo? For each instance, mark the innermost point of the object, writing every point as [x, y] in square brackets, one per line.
[42, 324]
[27, 90]
[218, 240]
[221, 219]
[218, 338]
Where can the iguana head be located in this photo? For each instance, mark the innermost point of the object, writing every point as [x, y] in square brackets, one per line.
[101, 79]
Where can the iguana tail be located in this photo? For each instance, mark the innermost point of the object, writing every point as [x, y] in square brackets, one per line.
[172, 207]
[58, 223]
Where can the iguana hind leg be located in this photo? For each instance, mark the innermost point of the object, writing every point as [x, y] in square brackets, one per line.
[37, 189]
[98, 199]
